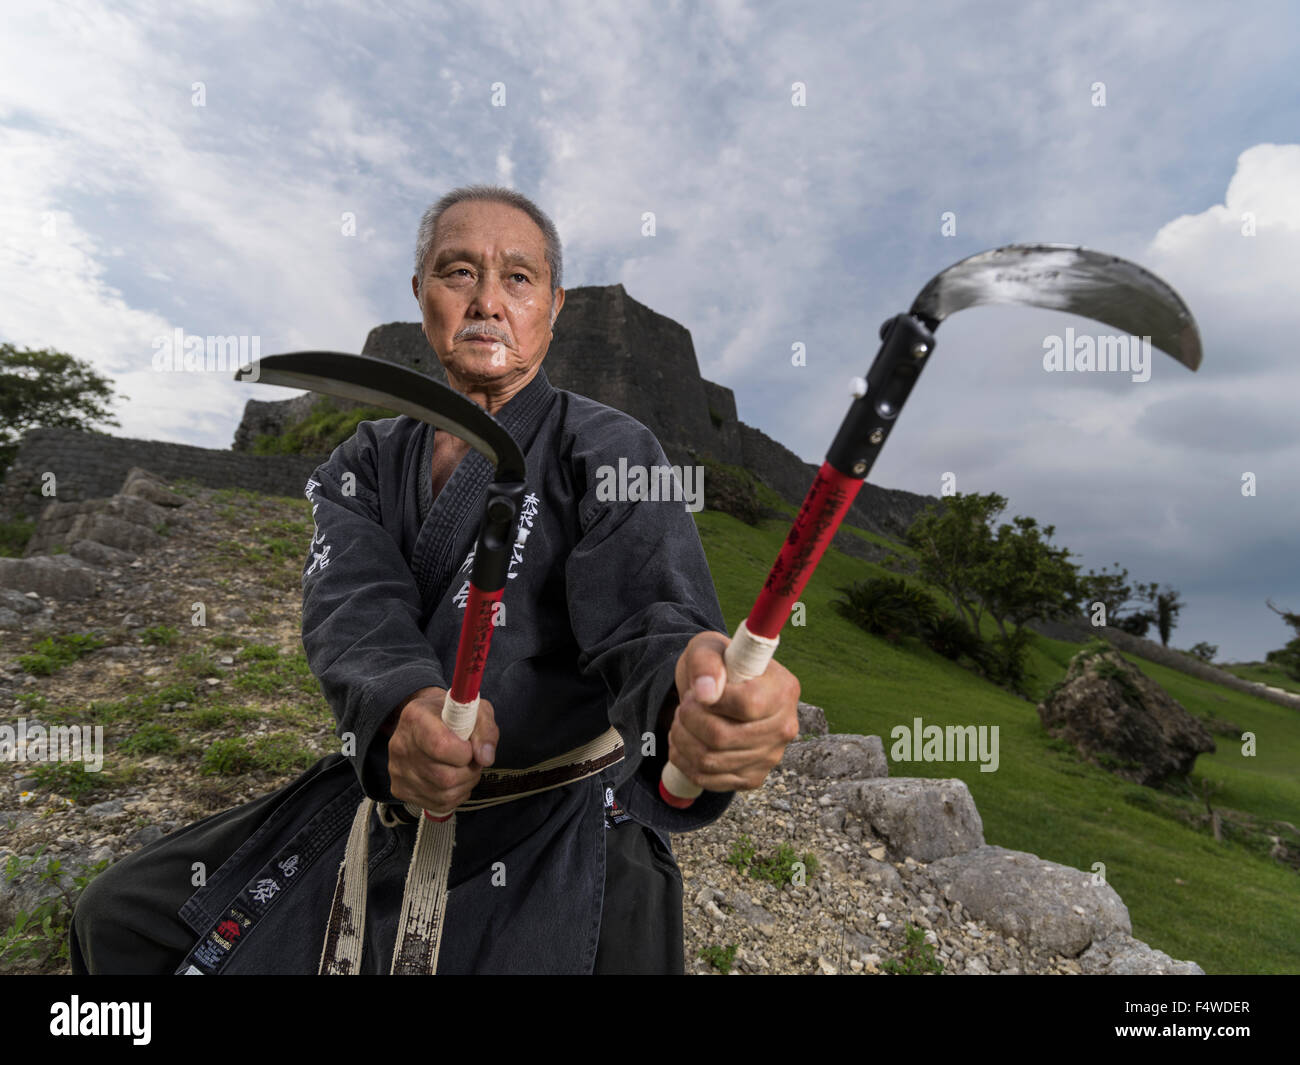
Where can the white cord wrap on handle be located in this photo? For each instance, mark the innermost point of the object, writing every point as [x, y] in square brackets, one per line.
[746, 657]
[460, 717]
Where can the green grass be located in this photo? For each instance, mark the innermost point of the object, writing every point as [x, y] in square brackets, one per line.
[320, 432]
[279, 752]
[264, 671]
[150, 739]
[160, 635]
[1234, 912]
[54, 652]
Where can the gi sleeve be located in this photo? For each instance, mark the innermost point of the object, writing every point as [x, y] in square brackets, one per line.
[638, 588]
[361, 607]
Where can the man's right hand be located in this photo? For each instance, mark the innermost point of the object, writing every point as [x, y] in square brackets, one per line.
[428, 764]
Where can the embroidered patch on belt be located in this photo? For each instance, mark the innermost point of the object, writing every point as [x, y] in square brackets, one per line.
[259, 895]
[614, 813]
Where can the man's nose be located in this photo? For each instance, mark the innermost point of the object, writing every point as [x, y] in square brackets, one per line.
[487, 295]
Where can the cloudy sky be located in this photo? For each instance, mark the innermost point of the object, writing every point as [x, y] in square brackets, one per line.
[164, 169]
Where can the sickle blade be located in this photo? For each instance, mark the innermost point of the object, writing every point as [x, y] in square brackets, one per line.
[1066, 277]
[387, 384]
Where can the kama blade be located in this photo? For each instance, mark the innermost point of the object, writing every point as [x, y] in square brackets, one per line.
[398, 388]
[1057, 276]
[387, 384]
[1066, 277]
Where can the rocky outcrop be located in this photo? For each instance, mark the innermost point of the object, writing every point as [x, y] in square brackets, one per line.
[915, 817]
[1042, 904]
[128, 521]
[75, 546]
[1117, 717]
[59, 577]
[891, 854]
[839, 757]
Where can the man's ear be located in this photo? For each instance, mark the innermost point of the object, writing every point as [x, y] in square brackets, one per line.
[415, 286]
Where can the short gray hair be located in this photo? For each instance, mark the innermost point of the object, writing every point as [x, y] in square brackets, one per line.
[494, 194]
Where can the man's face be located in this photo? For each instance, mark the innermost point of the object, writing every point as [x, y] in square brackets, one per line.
[486, 276]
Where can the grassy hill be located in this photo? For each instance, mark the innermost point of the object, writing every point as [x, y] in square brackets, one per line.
[1226, 905]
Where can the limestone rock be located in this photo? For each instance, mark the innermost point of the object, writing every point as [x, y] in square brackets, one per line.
[18, 602]
[96, 554]
[913, 817]
[812, 720]
[1119, 718]
[1122, 955]
[57, 576]
[1044, 905]
[838, 757]
[149, 486]
[125, 522]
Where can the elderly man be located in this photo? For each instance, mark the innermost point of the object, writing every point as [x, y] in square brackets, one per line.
[609, 662]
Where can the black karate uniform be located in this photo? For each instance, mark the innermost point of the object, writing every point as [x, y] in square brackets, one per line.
[602, 597]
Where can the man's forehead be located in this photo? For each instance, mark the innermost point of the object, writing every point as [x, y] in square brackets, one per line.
[504, 231]
[470, 218]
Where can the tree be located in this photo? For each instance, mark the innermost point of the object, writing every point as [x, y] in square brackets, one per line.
[1167, 607]
[1288, 658]
[952, 541]
[1137, 624]
[1162, 613]
[46, 388]
[1205, 651]
[1025, 577]
[1112, 590]
[1014, 575]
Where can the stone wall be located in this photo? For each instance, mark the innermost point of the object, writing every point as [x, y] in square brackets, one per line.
[93, 465]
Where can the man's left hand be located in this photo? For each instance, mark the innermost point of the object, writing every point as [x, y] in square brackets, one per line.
[724, 736]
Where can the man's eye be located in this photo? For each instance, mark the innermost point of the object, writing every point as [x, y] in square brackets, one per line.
[524, 276]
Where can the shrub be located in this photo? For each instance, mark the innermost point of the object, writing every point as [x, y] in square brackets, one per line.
[721, 958]
[888, 607]
[1005, 663]
[949, 636]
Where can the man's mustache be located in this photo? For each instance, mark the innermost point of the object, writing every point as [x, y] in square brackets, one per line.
[481, 332]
